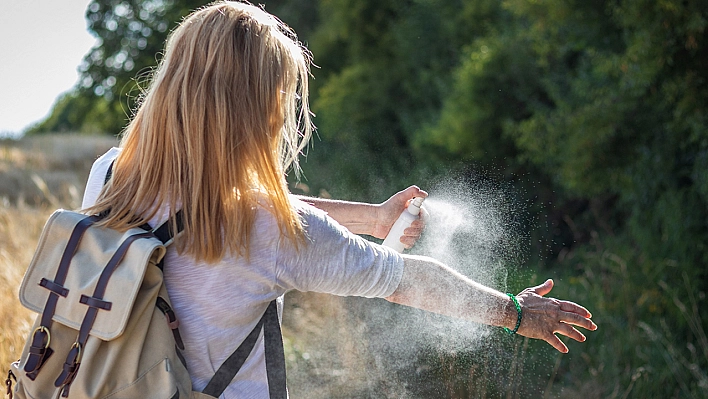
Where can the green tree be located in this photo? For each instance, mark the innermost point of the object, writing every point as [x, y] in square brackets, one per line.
[131, 34]
[385, 68]
[627, 117]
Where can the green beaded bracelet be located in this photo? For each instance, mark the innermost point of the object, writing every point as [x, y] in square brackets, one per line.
[518, 317]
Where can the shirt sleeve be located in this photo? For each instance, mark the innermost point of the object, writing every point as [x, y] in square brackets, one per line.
[97, 177]
[333, 260]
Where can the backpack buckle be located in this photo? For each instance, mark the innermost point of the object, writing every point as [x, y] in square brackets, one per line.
[77, 346]
[39, 351]
[71, 367]
[43, 330]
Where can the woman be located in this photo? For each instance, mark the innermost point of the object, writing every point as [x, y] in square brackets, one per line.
[224, 118]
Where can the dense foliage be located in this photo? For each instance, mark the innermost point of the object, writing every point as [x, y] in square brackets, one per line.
[594, 110]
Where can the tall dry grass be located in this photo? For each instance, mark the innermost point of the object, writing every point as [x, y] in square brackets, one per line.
[19, 232]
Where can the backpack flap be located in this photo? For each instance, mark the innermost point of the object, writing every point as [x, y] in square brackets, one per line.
[94, 268]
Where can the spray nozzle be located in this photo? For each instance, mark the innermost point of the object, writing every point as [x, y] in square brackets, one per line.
[414, 206]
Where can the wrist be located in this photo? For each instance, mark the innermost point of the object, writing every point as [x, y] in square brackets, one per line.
[375, 223]
[512, 314]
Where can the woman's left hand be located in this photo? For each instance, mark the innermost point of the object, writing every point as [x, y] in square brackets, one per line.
[543, 317]
[388, 212]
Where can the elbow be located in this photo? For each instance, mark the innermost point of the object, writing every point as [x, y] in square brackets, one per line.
[396, 297]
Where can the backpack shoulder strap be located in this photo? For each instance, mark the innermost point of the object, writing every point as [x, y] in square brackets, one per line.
[109, 173]
[164, 232]
[275, 358]
[274, 353]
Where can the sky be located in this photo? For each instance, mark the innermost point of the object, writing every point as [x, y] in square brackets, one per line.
[42, 43]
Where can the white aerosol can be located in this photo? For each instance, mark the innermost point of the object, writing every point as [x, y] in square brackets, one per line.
[393, 239]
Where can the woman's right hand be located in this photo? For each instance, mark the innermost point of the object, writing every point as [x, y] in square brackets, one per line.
[388, 211]
[543, 317]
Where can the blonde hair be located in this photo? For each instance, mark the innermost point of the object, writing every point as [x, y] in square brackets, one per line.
[225, 116]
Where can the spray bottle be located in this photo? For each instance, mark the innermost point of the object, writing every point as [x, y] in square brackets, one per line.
[393, 239]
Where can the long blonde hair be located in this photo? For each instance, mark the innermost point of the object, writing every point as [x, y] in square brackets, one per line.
[225, 116]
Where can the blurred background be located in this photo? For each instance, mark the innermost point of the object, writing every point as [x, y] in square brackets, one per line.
[572, 133]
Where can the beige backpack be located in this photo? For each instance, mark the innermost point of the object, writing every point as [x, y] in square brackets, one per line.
[106, 328]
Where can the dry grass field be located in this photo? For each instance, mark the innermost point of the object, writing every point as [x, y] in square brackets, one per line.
[41, 173]
[14, 255]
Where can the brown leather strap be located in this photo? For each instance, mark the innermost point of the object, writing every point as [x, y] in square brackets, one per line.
[54, 287]
[95, 302]
[40, 340]
[172, 321]
[63, 269]
[102, 284]
[70, 368]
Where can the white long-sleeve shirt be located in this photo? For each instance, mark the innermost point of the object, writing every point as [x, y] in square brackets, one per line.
[219, 304]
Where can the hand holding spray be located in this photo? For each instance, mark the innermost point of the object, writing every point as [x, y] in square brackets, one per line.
[393, 239]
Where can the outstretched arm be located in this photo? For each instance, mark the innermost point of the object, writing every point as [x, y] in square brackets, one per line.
[373, 219]
[430, 285]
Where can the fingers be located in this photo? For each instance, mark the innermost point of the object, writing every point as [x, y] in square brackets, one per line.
[403, 198]
[580, 321]
[567, 306]
[547, 316]
[556, 343]
[411, 192]
[412, 234]
[570, 331]
[565, 327]
[388, 211]
[416, 227]
[414, 191]
[543, 289]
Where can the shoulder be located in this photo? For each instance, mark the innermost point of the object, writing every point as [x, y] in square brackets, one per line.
[97, 176]
[315, 222]
[104, 161]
